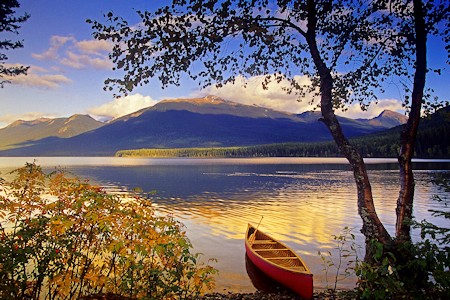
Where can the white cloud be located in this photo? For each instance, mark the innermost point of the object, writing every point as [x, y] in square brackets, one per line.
[39, 78]
[93, 46]
[354, 110]
[122, 106]
[276, 98]
[56, 43]
[82, 61]
[253, 93]
[7, 119]
[85, 54]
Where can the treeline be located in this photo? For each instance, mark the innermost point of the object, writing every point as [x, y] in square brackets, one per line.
[272, 150]
[432, 142]
[429, 145]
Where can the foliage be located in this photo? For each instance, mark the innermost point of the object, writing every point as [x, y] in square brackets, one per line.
[412, 271]
[10, 23]
[62, 238]
[380, 280]
[435, 245]
[363, 43]
[344, 263]
[419, 270]
[270, 150]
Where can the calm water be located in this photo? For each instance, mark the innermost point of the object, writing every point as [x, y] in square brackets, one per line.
[304, 201]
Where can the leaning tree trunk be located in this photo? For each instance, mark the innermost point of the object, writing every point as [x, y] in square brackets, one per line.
[409, 133]
[372, 228]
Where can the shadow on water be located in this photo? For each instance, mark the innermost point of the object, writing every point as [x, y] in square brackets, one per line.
[261, 281]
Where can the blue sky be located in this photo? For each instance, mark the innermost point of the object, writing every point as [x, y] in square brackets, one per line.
[68, 68]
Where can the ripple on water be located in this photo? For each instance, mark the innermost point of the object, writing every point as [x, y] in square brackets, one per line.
[302, 205]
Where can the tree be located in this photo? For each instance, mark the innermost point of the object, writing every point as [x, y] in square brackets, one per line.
[10, 23]
[346, 48]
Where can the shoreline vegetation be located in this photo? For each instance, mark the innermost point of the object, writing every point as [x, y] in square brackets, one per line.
[280, 295]
[54, 227]
[320, 149]
[51, 242]
[63, 238]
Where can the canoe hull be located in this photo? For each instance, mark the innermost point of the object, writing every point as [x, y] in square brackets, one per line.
[300, 282]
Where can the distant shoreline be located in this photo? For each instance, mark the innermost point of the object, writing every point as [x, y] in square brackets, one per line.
[317, 149]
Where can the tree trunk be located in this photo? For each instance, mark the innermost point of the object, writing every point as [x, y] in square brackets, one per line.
[372, 228]
[409, 133]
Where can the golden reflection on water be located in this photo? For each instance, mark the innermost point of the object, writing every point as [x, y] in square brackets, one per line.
[302, 206]
[304, 216]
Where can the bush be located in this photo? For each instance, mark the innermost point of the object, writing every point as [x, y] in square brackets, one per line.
[62, 238]
[408, 270]
[400, 270]
[343, 265]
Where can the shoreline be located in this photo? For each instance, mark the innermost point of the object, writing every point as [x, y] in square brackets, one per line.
[281, 295]
[258, 295]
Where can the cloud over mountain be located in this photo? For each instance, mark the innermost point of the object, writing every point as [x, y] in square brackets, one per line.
[354, 110]
[250, 91]
[122, 106]
[6, 119]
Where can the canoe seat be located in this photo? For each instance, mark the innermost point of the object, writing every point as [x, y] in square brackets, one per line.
[269, 242]
[287, 262]
[272, 249]
[298, 268]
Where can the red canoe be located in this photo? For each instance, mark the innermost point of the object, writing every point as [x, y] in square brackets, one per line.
[279, 262]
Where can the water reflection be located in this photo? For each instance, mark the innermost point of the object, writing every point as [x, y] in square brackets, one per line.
[303, 204]
[260, 280]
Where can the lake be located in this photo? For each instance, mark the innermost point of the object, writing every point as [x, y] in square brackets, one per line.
[304, 201]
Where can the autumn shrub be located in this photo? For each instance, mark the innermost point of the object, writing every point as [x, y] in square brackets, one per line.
[63, 238]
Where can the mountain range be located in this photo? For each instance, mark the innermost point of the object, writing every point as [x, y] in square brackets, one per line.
[177, 123]
[23, 133]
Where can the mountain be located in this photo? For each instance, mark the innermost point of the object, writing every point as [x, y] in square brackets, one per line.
[21, 133]
[212, 105]
[199, 122]
[387, 119]
[431, 141]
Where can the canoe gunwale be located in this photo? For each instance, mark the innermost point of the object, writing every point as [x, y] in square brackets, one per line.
[296, 277]
[306, 270]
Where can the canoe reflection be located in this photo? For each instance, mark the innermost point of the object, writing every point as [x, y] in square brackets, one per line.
[261, 281]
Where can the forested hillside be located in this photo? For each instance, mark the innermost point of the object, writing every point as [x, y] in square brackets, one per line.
[197, 122]
[432, 142]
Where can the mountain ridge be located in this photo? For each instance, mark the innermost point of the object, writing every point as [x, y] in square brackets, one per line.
[212, 105]
[199, 122]
[387, 119]
[22, 132]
